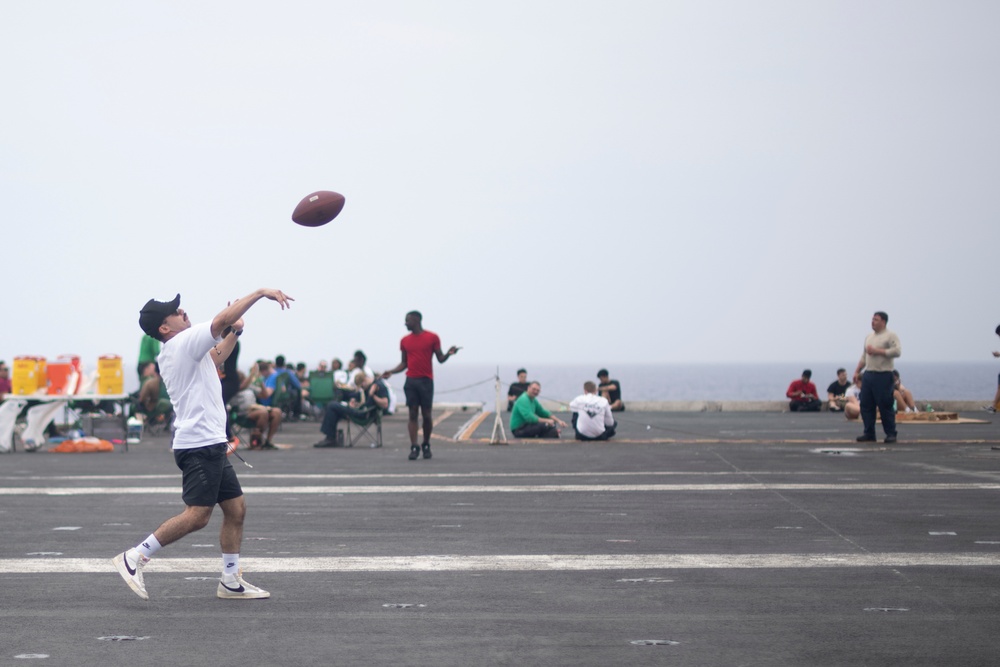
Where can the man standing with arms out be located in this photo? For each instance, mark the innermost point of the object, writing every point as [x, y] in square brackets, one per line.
[188, 364]
[529, 419]
[881, 347]
[418, 348]
[592, 419]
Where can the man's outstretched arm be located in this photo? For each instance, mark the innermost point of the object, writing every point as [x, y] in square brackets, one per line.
[237, 309]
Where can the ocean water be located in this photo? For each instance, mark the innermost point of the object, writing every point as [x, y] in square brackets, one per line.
[929, 381]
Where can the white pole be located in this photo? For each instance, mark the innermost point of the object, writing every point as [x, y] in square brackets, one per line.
[498, 421]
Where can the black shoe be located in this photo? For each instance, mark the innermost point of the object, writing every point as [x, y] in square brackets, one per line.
[889, 439]
[327, 443]
[866, 438]
[427, 450]
[268, 445]
[414, 452]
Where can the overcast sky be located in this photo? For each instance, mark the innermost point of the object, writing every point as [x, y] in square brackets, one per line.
[546, 181]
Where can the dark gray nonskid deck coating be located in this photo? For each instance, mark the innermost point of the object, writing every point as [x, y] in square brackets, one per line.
[805, 613]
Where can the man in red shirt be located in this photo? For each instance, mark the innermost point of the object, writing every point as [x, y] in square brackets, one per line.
[803, 394]
[418, 348]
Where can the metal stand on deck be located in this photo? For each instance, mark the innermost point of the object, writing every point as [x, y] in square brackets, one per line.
[498, 421]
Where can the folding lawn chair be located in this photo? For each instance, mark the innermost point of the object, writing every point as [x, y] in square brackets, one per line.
[370, 419]
[240, 425]
[284, 395]
[321, 389]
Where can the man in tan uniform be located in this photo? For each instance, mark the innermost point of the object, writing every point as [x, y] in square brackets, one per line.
[881, 347]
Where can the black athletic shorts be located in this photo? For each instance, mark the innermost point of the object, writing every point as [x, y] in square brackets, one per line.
[419, 392]
[208, 475]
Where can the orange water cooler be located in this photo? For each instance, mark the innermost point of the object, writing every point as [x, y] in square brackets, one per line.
[63, 375]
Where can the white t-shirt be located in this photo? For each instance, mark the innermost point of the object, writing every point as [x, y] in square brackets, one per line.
[194, 387]
[391, 409]
[243, 401]
[593, 414]
[854, 391]
[354, 371]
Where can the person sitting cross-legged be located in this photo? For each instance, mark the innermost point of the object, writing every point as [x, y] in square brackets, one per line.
[529, 419]
[803, 394]
[592, 419]
[376, 398]
[611, 390]
[836, 393]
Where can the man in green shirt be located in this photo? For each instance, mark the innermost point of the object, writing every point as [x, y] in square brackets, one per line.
[528, 419]
[149, 348]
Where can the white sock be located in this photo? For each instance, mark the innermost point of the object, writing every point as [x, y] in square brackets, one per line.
[149, 546]
[230, 565]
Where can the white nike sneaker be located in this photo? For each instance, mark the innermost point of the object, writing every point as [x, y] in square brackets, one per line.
[129, 564]
[234, 588]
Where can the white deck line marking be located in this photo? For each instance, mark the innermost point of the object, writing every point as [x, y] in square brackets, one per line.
[541, 488]
[511, 563]
[471, 475]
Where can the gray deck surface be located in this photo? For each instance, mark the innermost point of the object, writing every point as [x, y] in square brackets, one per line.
[746, 538]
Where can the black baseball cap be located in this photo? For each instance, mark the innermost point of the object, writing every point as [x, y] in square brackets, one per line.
[154, 312]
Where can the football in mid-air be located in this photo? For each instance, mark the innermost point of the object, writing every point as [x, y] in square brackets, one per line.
[318, 208]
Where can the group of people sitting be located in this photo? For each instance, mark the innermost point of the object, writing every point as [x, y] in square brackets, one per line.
[592, 418]
[841, 395]
[610, 390]
[272, 392]
[371, 394]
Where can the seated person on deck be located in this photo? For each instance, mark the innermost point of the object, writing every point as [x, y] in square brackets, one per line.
[529, 419]
[852, 399]
[376, 397]
[903, 396]
[517, 388]
[592, 418]
[154, 402]
[836, 393]
[802, 393]
[611, 390]
[265, 419]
